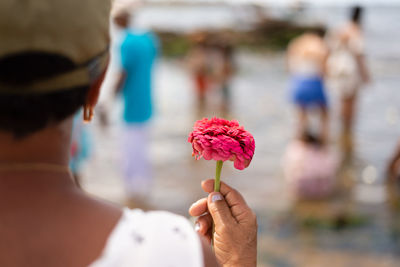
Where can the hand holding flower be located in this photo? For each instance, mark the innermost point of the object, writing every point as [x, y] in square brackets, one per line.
[225, 219]
[235, 237]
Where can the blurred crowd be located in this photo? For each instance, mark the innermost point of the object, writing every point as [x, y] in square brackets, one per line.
[315, 60]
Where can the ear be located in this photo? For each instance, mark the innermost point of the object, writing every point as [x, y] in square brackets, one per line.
[94, 90]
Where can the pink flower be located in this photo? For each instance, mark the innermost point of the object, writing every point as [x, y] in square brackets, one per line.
[220, 139]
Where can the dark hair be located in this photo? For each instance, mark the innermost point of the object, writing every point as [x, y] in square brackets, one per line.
[227, 51]
[319, 30]
[356, 14]
[310, 138]
[24, 114]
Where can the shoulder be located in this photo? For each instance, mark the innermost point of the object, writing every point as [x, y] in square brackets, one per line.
[154, 238]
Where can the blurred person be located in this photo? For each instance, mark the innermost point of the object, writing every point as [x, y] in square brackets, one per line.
[393, 191]
[226, 73]
[199, 66]
[107, 96]
[138, 52]
[348, 71]
[80, 147]
[211, 62]
[310, 168]
[306, 58]
[393, 168]
[49, 69]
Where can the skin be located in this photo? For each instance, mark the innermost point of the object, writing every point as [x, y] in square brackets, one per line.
[121, 20]
[46, 218]
[40, 208]
[348, 107]
[394, 164]
[348, 104]
[311, 47]
[324, 122]
[235, 237]
[393, 180]
[54, 206]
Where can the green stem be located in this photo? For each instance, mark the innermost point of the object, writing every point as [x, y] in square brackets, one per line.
[218, 175]
[217, 185]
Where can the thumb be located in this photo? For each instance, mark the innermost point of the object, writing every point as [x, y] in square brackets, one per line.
[219, 209]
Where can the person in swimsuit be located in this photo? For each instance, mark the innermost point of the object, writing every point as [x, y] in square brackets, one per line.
[53, 57]
[306, 58]
[347, 71]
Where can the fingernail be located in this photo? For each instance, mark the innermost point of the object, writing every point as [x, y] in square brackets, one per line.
[216, 197]
[197, 227]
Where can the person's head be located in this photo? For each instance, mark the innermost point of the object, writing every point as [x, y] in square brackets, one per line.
[356, 14]
[311, 139]
[320, 31]
[53, 54]
[123, 12]
[122, 18]
[199, 38]
[227, 51]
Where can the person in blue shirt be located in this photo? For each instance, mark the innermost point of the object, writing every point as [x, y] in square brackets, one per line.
[138, 52]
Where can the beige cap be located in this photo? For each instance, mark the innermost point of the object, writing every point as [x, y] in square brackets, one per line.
[77, 29]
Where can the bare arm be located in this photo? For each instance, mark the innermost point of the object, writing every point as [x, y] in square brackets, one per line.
[103, 109]
[293, 49]
[120, 82]
[394, 162]
[355, 34]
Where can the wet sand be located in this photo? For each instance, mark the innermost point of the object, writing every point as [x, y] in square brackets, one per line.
[355, 227]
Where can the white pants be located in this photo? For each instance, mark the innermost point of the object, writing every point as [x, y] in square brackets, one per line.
[135, 159]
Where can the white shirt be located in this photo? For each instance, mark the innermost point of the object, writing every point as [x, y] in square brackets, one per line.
[157, 238]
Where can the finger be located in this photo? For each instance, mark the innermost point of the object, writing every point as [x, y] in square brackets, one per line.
[219, 210]
[206, 238]
[204, 224]
[231, 195]
[208, 186]
[239, 208]
[209, 235]
[198, 208]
